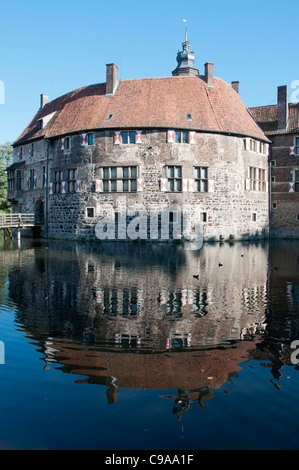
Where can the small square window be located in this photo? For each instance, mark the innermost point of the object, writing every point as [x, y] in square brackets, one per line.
[274, 205]
[90, 212]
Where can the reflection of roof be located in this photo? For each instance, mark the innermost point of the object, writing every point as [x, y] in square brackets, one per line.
[14, 166]
[147, 103]
[266, 117]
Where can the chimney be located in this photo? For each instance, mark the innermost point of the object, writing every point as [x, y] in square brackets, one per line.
[283, 107]
[44, 99]
[111, 78]
[235, 86]
[209, 66]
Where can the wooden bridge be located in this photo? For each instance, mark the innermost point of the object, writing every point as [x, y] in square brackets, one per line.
[12, 223]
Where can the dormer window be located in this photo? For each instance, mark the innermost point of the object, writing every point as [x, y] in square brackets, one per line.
[109, 117]
[189, 117]
[40, 125]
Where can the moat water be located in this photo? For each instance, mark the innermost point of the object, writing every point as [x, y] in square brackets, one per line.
[137, 346]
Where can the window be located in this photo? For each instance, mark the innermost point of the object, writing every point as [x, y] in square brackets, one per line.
[11, 181]
[90, 139]
[40, 125]
[181, 137]
[110, 116]
[263, 147]
[252, 145]
[31, 180]
[57, 182]
[90, 212]
[297, 145]
[44, 177]
[204, 217]
[254, 217]
[297, 181]
[174, 175]
[71, 180]
[257, 179]
[273, 162]
[121, 179]
[32, 150]
[274, 205]
[128, 137]
[20, 153]
[67, 143]
[201, 178]
[18, 181]
[189, 117]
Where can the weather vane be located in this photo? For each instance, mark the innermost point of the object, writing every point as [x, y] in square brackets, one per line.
[186, 27]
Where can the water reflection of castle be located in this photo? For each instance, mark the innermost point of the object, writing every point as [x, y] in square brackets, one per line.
[135, 316]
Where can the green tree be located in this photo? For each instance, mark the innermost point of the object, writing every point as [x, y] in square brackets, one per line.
[6, 152]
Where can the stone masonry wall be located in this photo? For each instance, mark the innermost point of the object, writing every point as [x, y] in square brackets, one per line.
[284, 203]
[229, 209]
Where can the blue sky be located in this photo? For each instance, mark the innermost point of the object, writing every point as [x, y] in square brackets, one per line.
[57, 46]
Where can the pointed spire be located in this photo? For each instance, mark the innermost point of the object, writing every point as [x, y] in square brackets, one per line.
[185, 58]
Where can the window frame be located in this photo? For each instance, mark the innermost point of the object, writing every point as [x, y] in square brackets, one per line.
[57, 181]
[200, 181]
[175, 181]
[120, 179]
[128, 137]
[257, 177]
[71, 179]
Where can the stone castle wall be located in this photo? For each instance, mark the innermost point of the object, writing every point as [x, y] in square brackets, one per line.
[284, 200]
[228, 209]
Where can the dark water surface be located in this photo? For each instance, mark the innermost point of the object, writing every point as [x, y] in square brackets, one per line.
[119, 346]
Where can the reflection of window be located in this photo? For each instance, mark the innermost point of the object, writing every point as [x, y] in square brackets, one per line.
[201, 178]
[57, 182]
[121, 179]
[174, 175]
[120, 302]
[257, 179]
[71, 180]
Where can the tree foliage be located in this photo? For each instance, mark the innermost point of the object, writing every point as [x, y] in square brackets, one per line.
[6, 152]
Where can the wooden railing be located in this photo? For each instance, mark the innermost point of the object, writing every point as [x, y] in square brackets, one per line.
[17, 220]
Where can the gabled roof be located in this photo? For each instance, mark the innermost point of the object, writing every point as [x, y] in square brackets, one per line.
[147, 103]
[266, 117]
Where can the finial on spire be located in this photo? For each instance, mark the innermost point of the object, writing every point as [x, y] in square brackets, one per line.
[185, 58]
[186, 29]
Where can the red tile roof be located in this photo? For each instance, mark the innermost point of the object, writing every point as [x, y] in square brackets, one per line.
[147, 103]
[266, 117]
